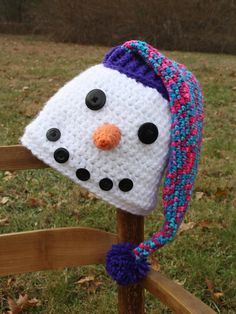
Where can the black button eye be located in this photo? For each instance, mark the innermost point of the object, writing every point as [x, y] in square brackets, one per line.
[106, 184]
[53, 134]
[126, 185]
[95, 99]
[82, 174]
[61, 155]
[148, 133]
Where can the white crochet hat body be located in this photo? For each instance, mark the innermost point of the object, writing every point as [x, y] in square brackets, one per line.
[129, 104]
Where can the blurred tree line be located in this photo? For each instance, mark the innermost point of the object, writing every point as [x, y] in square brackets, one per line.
[192, 25]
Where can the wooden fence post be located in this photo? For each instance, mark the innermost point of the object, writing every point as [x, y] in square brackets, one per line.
[130, 228]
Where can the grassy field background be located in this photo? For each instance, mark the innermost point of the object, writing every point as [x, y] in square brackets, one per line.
[202, 257]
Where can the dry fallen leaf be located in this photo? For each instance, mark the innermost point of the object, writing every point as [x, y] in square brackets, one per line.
[154, 264]
[14, 309]
[92, 196]
[88, 195]
[186, 226]
[11, 281]
[221, 194]
[206, 139]
[199, 195]
[204, 224]
[33, 202]
[210, 285]
[93, 288]
[4, 200]
[215, 295]
[85, 279]
[180, 282]
[21, 304]
[89, 283]
[208, 225]
[31, 110]
[8, 175]
[4, 221]
[76, 213]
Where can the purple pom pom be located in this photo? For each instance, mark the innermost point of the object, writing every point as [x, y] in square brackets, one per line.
[123, 266]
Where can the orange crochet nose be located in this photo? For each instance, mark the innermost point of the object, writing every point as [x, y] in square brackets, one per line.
[107, 136]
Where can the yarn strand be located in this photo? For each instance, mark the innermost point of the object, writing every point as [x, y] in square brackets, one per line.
[185, 101]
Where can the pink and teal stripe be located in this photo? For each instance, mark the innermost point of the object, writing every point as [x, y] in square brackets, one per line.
[186, 106]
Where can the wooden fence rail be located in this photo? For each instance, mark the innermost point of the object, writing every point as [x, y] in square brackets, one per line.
[17, 157]
[67, 247]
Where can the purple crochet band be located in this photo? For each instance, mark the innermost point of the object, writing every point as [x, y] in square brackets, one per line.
[134, 67]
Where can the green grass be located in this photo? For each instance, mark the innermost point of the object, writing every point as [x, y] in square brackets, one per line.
[32, 69]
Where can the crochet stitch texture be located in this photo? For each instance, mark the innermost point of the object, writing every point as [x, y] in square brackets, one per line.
[152, 108]
[130, 159]
[185, 101]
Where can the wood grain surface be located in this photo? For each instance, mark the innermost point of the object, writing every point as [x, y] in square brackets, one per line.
[17, 157]
[173, 295]
[52, 249]
[130, 228]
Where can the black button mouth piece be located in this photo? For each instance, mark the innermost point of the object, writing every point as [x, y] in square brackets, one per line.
[95, 99]
[53, 134]
[83, 174]
[61, 155]
[106, 184]
[126, 185]
[148, 133]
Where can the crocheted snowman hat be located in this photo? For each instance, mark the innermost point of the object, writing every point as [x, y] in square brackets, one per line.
[115, 128]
